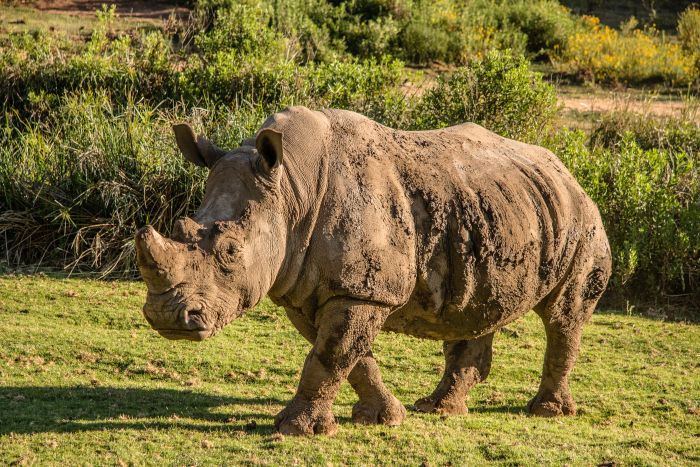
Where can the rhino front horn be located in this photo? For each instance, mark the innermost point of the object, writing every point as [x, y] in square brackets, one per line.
[156, 258]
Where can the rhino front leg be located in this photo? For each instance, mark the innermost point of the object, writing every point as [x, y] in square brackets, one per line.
[345, 332]
[467, 362]
[377, 404]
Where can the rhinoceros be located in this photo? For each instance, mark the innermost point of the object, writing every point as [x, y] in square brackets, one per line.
[353, 227]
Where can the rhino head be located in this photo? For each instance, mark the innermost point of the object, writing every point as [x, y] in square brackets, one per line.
[225, 258]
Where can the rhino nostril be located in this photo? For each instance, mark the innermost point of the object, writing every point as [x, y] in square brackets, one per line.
[192, 318]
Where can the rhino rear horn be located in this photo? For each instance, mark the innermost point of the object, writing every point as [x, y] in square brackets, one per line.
[198, 150]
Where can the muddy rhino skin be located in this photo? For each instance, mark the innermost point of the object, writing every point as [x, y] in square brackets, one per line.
[354, 227]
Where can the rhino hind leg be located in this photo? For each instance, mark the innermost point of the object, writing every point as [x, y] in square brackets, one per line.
[564, 313]
[377, 405]
[467, 362]
[554, 397]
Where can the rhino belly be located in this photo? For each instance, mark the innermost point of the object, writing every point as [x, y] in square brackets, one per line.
[433, 314]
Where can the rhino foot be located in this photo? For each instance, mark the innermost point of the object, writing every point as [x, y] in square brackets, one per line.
[548, 404]
[305, 419]
[444, 406]
[389, 412]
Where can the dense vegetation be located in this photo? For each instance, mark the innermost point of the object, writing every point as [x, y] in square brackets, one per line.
[86, 154]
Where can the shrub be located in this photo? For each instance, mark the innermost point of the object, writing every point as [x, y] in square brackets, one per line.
[454, 32]
[649, 203]
[370, 87]
[367, 86]
[367, 37]
[422, 43]
[305, 24]
[245, 30]
[545, 24]
[630, 56]
[689, 32]
[499, 92]
[689, 29]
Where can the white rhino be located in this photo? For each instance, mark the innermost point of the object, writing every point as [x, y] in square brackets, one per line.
[354, 228]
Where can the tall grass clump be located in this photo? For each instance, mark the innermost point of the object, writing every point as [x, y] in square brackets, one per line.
[649, 132]
[75, 187]
[499, 92]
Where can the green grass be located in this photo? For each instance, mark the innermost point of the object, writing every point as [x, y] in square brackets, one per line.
[84, 380]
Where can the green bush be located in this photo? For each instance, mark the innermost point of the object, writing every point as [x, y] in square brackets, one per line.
[245, 30]
[499, 92]
[457, 32]
[454, 32]
[650, 203]
[141, 66]
[306, 24]
[546, 24]
[370, 87]
[422, 43]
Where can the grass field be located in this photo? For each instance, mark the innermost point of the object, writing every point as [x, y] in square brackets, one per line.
[84, 380]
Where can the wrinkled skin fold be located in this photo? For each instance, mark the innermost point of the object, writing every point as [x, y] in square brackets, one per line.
[355, 228]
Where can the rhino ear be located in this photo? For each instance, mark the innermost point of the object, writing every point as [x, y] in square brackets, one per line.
[269, 146]
[199, 151]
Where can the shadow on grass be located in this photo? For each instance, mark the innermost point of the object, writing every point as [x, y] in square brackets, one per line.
[34, 409]
[497, 409]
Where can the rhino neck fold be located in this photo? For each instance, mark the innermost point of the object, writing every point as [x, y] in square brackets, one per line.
[303, 189]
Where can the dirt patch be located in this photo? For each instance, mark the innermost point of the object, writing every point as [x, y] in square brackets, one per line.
[125, 8]
[599, 104]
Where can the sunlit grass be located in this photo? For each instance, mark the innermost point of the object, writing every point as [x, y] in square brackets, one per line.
[83, 379]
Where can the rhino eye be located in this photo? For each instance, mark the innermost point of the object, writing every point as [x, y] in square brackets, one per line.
[226, 250]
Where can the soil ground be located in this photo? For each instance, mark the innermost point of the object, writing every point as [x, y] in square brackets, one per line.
[594, 100]
[126, 8]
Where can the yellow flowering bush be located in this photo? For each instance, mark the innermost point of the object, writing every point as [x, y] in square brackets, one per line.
[600, 53]
[689, 29]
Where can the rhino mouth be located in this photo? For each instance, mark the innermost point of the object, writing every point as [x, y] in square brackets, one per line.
[187, 323]
[185, 334]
